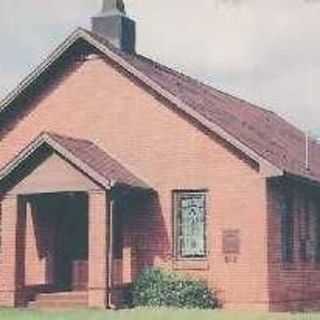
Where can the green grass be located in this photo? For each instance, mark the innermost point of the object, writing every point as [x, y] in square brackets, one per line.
[149, 314]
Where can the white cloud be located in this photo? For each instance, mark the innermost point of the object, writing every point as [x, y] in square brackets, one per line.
[264, 51]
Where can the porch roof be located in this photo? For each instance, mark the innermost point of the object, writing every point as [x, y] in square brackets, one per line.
[82, 154]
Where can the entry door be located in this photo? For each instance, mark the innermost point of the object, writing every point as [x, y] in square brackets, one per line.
[71, 239]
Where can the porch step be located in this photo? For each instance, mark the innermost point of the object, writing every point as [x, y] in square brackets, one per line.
[64, 300]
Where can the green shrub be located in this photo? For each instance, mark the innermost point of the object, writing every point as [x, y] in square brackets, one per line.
[158, 288]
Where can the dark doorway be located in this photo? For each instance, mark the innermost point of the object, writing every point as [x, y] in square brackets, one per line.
[71, 237]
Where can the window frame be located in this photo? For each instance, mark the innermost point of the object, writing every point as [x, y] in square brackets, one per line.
[176, 196]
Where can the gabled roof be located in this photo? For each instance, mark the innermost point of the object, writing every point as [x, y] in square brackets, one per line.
[260, 134]
[82, 154]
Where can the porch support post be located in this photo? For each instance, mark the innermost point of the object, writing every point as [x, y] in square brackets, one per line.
[12, 262]
[99, 212]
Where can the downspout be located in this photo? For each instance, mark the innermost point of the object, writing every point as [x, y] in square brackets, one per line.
[307, 164]
[110, 256]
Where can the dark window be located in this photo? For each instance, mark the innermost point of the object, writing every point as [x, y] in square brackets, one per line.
[304, 230]
[190, 224]
[117, 231]
[317, 234]
[287, 227]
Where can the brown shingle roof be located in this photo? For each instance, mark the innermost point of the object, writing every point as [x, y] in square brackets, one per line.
[98, 160]
[256, 131]
[269, 135]
[84, 155]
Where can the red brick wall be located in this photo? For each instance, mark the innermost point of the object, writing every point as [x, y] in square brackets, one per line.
[99, 205]
[12, 267]
[98, 103]
[296, 285]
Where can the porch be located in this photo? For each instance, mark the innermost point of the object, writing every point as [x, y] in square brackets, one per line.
[63, 229]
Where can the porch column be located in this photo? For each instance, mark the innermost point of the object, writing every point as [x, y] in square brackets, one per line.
[99, 209]
[12, 251]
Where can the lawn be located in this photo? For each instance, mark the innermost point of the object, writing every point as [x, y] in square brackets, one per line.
[141, 314]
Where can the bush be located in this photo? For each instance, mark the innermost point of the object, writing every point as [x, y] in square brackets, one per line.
[158, 288]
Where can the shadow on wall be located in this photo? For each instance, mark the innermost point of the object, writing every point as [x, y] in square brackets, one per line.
[40, 227]
[144, 230]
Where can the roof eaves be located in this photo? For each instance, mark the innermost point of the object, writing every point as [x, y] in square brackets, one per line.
[303, 178]
[37, 71]
[24, 154]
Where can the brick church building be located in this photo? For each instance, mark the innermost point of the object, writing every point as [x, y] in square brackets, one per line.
[112, 163]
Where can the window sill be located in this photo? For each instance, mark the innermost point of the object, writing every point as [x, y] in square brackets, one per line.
[191, 264]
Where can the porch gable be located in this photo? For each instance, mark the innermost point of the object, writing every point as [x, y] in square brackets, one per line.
[54, 163]
[54, 174]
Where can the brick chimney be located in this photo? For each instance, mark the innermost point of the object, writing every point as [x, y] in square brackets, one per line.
[113, 24]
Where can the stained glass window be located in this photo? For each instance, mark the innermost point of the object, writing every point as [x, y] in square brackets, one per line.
[190, 213]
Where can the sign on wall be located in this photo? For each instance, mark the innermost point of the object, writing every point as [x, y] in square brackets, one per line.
[231, 245]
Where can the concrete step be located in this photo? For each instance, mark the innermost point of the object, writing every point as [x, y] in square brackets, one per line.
[60, 300]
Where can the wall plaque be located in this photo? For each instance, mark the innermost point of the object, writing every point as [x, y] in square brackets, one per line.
[231, 242]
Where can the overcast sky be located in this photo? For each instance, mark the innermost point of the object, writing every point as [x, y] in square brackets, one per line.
[265, 51]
